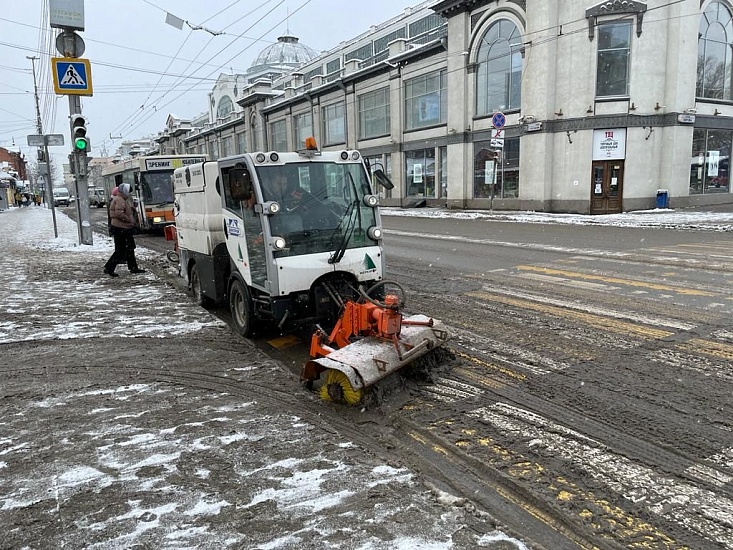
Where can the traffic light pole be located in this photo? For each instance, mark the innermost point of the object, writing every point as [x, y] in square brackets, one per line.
[80, 158]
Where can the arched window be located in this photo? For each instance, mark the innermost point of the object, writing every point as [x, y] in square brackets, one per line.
[714, 52]
[225, 107]
[499, 69]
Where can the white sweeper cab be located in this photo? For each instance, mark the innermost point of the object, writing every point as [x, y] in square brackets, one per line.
[294, 240]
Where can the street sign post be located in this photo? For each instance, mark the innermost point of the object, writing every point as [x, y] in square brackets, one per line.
[72, 76]
[52, 140]
[497, 138]
[66, 14]
[498, 120]
[78, 46]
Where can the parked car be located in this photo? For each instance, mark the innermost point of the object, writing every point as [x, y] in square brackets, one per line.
[61, 197]
[97, 197]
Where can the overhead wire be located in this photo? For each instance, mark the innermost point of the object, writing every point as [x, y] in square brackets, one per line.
[112, 44]
[227, 61]
[188, 77]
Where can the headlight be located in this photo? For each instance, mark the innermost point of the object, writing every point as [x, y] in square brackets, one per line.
[278, 243]
[158, 219]
[260, 158]
[274, 157]
[344, 155]
[374, 233]
[371, 200]
[355, 155]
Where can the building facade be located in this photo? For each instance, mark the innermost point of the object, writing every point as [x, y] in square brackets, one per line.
[548, 105]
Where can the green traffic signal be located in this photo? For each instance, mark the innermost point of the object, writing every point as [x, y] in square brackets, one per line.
[81, 144]
[79, 132]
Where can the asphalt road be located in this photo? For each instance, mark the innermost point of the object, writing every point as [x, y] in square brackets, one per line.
[596, 374]
[589, 405]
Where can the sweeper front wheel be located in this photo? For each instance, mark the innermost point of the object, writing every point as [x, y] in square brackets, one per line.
[337, 388]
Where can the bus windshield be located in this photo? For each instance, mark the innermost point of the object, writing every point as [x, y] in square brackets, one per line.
[157, 187]
[321, 206]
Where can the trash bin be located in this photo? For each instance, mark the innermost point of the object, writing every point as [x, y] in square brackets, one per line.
[662, 198]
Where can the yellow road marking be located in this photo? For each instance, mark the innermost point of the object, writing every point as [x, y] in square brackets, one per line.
[507, 372]
[597, 321]
[607, 519]
[616, 280]
[708, 347]
[284, 342]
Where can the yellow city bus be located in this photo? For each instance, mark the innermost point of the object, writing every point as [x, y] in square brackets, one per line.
[151, 179]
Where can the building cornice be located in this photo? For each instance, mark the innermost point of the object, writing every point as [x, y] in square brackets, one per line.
[450, 8]
[615, 7]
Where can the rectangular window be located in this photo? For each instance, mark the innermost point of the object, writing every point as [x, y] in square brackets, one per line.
[302, 128]
[241, 143]
[380, 44]
[365, 52]
[279, 135]
[227, 147]
[333, 66]
[213, 150]
[496, 178]
[374, 114]
[426, 100]
[420, 173]
[334, 124]
[614, 45]
[426, 24]
[710, 162]
[307, 77]
[443, 173]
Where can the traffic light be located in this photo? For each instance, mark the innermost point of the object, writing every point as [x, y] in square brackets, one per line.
[79, 133]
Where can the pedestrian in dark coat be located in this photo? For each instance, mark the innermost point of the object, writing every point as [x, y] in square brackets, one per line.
[122, 224]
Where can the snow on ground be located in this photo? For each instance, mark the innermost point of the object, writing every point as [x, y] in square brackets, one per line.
[41, 306]
[700, 219]
[92, 462]
[165, 471]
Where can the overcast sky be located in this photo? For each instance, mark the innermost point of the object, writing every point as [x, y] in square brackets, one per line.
[144, 69]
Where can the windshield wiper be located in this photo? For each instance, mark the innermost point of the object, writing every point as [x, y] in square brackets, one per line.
[348, 231]
[350, 226]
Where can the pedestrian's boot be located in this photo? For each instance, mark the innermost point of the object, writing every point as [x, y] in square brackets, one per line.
[136, 270]
[110, 272]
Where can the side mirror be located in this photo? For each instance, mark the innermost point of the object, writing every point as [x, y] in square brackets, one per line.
[382, 179]
[240, 184]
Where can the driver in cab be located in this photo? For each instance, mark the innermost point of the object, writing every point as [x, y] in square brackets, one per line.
[313, 212]
[290, 198]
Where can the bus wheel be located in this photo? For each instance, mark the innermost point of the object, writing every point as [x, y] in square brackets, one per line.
[240, 306]
[196, 291]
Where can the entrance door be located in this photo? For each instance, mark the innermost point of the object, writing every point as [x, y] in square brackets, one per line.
[607, 184]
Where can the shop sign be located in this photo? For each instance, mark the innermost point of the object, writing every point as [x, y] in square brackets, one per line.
[609, 144]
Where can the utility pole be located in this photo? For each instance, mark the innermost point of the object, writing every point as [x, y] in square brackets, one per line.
[43, 151]
[80, 158]
[72, 77]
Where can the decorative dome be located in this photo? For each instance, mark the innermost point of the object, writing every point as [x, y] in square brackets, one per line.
[286, 54]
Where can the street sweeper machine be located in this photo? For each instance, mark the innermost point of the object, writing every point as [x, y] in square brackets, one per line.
[294, 240]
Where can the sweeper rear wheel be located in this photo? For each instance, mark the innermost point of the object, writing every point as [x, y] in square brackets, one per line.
[337, 388]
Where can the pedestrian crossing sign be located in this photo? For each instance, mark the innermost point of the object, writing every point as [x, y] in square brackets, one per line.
[71, 76]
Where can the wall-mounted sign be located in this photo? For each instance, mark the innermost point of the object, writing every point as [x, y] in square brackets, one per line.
[609, 144]
[713, 163]
[686, 118]
[534, 126]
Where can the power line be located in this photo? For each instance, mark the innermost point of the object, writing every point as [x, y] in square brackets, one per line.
[181, 80]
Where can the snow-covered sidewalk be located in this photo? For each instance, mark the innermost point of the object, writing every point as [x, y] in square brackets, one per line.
[711, 219]
[130, 417]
